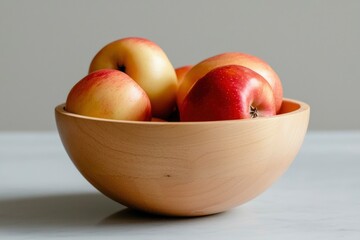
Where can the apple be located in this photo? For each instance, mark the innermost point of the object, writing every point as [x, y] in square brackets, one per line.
[147, 64]
[110, 94]
[154, 119]
[181, 72]
[231, 58]
[226, 93]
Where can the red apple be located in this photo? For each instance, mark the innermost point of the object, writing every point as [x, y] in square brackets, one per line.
[146, 63]
[232, 58]
[228, 92]
[109, 94]
[154, 119]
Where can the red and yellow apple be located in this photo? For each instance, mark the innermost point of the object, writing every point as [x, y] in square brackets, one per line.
[231, 58]
[226, 93]
[181, 72]
[110, 94]
[147, 64]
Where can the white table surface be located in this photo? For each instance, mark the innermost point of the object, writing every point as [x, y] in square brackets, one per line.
[42, 195]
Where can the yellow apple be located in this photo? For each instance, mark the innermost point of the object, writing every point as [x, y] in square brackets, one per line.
[146, 63]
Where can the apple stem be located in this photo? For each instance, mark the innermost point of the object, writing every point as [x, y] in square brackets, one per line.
[122, 68]
[253, 112]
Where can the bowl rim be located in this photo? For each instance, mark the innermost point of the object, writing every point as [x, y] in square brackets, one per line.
[60, 109]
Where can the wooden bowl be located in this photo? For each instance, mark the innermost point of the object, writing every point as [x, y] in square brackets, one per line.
[184, 169]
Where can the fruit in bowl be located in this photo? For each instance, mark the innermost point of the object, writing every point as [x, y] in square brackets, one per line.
[109, 94]
[146, 63]
[232, 58]
[228, 92]
[181, 72]
[235, 136]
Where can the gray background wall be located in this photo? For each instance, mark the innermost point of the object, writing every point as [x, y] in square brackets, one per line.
[46, 47]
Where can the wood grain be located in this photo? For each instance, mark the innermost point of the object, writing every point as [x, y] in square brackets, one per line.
[184, 169]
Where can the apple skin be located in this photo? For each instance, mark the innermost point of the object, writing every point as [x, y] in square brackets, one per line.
[154, 119]
[181, 72]
[110, 94]
[232, 58]
[227, 93]
[147, 64]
